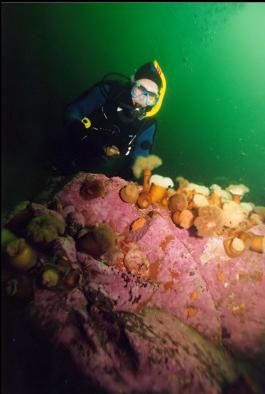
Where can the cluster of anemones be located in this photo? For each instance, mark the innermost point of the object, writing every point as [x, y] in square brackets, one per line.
[27, 246]
[217, 212]
[211, 211]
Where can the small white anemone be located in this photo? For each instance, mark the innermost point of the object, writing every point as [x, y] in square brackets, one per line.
[238, 190]
[233, 214]
[182, 182]
[198, 189]
[223, 194]
[247, 207]
[141, 163]
[161, 181]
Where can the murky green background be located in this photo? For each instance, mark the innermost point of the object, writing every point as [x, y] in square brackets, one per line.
[212, 123]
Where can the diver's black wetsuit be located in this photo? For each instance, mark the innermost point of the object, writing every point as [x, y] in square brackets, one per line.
[114, 121]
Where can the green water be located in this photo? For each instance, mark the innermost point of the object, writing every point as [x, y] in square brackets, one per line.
[212, 122]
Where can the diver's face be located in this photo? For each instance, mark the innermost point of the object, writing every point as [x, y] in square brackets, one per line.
[144, 93]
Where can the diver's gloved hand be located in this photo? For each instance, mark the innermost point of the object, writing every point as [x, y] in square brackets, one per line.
[112, 150]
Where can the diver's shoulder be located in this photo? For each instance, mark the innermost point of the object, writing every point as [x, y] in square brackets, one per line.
[149, 122]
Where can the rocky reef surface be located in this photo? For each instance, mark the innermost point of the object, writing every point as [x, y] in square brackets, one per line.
[149, 308]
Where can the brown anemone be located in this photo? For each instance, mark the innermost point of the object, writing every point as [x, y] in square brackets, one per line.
[130, 193]
[209, 221]
[97, 241]
[92, 188]
[177, 202]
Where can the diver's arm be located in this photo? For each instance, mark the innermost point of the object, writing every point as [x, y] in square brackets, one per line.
[84, 105]
[144, 142]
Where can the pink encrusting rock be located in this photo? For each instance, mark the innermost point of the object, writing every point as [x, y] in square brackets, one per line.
[213, 293]
[182, 289]
[124, 352]
[108, 209]
[65, 247]
[147, 313]
[237, 286]
[124, 290]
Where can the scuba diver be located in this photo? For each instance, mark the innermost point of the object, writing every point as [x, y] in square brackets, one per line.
[113, 122]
